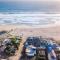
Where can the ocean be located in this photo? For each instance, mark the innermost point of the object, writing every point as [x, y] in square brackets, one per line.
[31, 19]
[31, 14]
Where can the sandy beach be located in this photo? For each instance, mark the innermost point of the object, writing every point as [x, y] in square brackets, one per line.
[25, 31]
[53, 32]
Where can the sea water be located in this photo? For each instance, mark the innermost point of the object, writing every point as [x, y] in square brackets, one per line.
[29, 13]
[31, 19]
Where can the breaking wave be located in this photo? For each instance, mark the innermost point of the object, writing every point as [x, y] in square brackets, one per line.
[30, 19]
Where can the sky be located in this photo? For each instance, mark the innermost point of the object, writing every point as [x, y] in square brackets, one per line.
[30, 5]
[30, 0]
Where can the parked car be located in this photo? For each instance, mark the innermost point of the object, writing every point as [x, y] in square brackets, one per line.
[32, 41]
[6, 41]
[30, 51]
[31, 44]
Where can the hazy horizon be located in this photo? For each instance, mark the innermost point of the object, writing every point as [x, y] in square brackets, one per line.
[45, 6]
[41, 8]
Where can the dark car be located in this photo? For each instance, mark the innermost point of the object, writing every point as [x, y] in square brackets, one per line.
[32, 41]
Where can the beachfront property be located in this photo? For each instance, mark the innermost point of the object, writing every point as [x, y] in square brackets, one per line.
[36, 47]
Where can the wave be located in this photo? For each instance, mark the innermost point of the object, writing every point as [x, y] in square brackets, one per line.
[32, 19]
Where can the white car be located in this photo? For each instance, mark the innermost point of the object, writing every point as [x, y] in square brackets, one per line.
[31, 51]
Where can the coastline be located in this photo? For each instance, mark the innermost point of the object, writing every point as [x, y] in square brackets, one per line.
[53, 31]
[13, 26]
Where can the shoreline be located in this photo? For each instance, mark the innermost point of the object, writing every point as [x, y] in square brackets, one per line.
[29, 26]
[53, 31]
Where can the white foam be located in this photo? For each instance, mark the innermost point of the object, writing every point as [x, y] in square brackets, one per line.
[31, 19]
